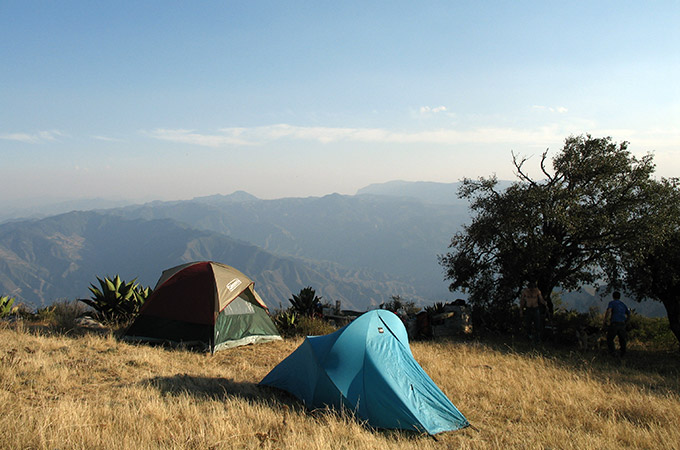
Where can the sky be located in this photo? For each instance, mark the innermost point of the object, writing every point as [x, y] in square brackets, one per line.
[165, 100]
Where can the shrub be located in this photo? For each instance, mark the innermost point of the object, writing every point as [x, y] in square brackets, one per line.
[436, 308]
[44, 314]
[66, 314]
[313, 326]
[6, 306]
[61, 315]
[285, 322]
[402, 307]
[117, 301]
[653, 332]
[570, 327]
[290, 323]
[497, 319]
[306, 303]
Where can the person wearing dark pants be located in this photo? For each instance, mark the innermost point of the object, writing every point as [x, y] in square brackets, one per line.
[615, 319]
[530, 302]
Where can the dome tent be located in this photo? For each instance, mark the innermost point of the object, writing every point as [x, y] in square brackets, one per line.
[205, 304]
[367, 367]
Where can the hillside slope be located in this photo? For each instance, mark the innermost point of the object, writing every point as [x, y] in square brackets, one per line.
[58, 257]
[396, 236]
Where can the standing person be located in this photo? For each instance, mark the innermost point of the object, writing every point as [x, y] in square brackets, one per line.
[619, 314]
[530, 301]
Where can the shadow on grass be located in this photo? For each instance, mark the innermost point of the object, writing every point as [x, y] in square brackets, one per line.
[222, 389]
[281, 401]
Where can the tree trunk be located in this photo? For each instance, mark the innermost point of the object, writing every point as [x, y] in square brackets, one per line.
[546, 292]
[673, 310]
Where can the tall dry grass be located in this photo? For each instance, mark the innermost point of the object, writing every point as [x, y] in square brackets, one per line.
[91, 391]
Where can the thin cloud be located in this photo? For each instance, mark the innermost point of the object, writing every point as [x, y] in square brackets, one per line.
[427, 110]
[557, 109]
[538, 136]
[106, 139]
[327, 135]
[191, 137]
[35, 138]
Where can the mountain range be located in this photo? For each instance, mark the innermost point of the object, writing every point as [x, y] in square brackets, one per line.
[357, 249]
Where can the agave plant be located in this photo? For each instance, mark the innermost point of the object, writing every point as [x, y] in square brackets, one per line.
[116, 300]
[6, 308]
[435, 309]
[306, 303]
[286, 322]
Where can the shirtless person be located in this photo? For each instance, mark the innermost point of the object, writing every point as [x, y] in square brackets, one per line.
[530, 301]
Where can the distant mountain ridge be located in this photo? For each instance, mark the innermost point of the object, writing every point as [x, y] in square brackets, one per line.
[390, 235]
[39, 211]
[425, 191]
[58, 257]
[359, 249]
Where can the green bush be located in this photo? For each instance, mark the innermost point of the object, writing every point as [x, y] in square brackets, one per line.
[306, 303]
[652, 332]
[290, 323]
[572, 328]
[285, 322]
[6, 306]
[116, 301]
[45, 314]
[403, 307]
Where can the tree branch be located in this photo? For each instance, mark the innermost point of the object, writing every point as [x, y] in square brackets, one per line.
[519, 172]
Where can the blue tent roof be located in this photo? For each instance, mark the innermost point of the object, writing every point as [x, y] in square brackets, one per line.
[368, 367]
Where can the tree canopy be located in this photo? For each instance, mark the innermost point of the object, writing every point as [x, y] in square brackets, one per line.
[578, 224]
[651, 267]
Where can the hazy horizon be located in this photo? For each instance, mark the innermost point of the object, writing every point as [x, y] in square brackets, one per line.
[45, 201]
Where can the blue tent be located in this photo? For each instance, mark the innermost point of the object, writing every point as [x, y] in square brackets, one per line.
[368, 367]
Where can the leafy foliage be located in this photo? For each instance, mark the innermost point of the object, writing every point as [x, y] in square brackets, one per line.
[653, 269]
[306, 303]
[289, 324]
[399, 306]
[652, 333]
[6, 306]
[436, 308]
[116, 300]
[286, 322]
[565, 230]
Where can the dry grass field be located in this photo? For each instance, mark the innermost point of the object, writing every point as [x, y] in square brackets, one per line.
[89, 391]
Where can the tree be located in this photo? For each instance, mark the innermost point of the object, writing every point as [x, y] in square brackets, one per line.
[652, 266]
[399, 306]
[564, 230]
[306, 303]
